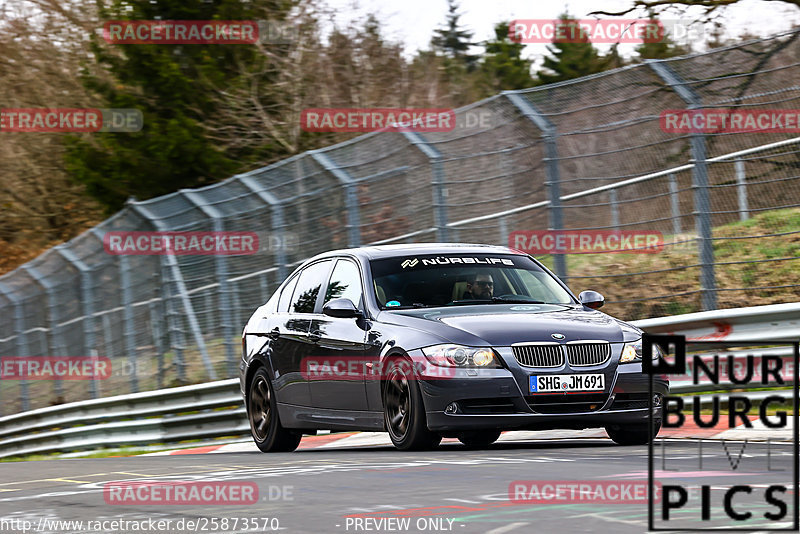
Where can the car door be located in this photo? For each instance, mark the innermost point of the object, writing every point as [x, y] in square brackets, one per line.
[340, 348]
[289, 329]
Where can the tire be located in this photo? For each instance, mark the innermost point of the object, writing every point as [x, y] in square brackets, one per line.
[632, 434]
[478, 439]
[403, 410]
[262, 412]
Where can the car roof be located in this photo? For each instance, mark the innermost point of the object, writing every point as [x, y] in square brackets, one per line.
[391, 251]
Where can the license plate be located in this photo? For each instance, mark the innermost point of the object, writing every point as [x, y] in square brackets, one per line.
[567, 383]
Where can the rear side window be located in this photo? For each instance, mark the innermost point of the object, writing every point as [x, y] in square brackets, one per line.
[345, 283]
[286, 295]
[308, 286]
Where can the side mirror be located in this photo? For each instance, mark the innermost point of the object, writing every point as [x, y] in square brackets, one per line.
[341, 309]
[591, 299]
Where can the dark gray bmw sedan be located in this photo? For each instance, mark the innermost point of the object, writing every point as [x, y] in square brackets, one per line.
[439, 340]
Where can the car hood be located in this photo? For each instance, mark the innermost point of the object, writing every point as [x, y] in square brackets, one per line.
[502, 325]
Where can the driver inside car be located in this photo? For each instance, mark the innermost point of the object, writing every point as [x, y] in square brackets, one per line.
[479, 287]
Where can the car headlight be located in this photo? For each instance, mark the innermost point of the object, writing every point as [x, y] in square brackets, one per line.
[460, 356]
[632, 352]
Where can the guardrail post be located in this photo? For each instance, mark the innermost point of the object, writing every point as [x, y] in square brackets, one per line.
[22, 342]
[221, 271]
[87, 308]
[54, 340]
[553, 183]
[612, 199]
[675, 204]
[702, 201]
[182, 293]
[351, 198]
[276, 212]
[741, 189]
[439, 190]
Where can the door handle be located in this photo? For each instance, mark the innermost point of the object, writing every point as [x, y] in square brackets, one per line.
[314, 336]
[275, 333]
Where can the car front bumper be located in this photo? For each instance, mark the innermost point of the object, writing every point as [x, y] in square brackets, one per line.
[498, 399]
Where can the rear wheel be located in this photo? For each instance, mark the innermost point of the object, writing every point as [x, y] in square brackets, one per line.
[639, 434]
[262, 411]
[478, 439]
[404, 412]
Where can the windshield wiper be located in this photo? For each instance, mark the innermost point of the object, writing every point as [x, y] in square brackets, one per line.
[494, 300]
[517, 300]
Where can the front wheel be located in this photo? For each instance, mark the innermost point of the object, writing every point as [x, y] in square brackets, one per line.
[638, 434]
[403, 410]
[262, 411]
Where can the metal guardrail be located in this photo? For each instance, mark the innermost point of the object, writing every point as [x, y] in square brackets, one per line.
[215, 409]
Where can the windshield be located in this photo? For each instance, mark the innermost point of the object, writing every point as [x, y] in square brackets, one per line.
[452, 280]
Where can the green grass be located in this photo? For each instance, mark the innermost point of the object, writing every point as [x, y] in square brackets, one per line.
[623, 292]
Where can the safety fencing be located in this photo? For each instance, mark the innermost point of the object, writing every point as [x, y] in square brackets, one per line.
[587, 154]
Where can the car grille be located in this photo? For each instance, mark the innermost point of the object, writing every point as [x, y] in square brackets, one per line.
[553, 354]
[560, 403]
[630, 401]
[503, 405]
[539, 354]
[586, 354]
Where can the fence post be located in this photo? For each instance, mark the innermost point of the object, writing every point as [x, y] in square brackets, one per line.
[54, 340]
[351, 198]
[276, 212]
[22, 342]
[87, 307]
[702, 201]
[439, 190]
[129, 330]
[174, 269]
[612, 198]
[221, 271]
[675, 203]
[741, 189]
[553, 183]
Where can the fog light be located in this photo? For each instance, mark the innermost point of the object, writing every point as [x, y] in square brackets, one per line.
[656, 400]
[451, 408]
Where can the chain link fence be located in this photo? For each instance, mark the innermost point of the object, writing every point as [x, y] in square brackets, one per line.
[585, 154]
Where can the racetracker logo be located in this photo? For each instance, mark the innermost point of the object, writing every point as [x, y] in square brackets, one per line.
[718, 120]
[322, 368]
[181, 32]
[586, 242]
[180, 493]
[77, 120]
[586, 30]
[580, 491]
[54, 368]
[181, 243]
[374, 119]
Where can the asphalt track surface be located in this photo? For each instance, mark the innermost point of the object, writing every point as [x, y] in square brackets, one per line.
[450, 489]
